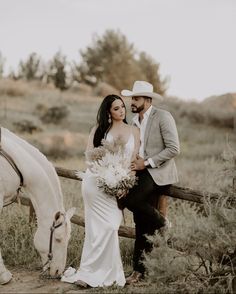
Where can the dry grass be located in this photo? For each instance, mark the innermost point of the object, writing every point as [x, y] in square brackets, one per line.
[104, 89]
[13, 88]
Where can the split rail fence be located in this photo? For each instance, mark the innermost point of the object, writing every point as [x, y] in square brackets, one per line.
[173, 191]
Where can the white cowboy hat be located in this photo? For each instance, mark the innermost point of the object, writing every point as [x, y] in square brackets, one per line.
[141, 88]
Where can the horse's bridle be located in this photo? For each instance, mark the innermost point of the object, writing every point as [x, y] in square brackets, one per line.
[14, 166]
[50, 254]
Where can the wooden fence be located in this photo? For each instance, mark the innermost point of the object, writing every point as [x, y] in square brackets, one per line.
[174, 191]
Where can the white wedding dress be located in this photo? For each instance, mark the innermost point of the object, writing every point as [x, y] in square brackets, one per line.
[101, 263]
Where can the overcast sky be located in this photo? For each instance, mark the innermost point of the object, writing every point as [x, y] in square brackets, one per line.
[193, 40]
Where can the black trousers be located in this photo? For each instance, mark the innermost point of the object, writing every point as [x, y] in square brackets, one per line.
[146, 217]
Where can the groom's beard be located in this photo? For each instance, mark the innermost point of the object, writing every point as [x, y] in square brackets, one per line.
[136, 109]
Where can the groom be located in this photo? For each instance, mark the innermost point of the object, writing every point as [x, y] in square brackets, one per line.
[155, 168]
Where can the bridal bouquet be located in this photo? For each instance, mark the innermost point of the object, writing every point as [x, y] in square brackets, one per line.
[111, 165]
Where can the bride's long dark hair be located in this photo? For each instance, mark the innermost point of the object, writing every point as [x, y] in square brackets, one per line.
[103, 123]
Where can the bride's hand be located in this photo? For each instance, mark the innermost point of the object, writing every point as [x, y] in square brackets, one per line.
[138, 163]
[133, 172]
[121, 194]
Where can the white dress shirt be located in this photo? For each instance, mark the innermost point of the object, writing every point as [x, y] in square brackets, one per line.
[142, 126]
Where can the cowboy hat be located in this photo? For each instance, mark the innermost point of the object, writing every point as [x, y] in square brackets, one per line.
[141, 88]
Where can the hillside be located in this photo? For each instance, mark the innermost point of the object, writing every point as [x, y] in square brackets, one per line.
[225, 102]
[58, 123]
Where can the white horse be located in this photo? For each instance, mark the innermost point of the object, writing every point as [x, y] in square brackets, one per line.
[42, 184]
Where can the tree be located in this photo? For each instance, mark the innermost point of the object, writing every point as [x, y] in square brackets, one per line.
[112, 59]
[2, 63]
[57, 71]
[30, 69]
[150, 69]
[102, 59]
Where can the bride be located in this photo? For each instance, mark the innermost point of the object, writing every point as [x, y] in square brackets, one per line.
[101, 263]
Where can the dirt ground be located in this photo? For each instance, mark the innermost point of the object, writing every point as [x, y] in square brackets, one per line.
[29, 282]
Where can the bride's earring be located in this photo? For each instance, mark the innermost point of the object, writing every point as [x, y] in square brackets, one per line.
[109, 119]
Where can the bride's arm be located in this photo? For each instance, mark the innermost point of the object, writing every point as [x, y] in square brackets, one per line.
[90, 139]
[90, 145]
[136, 134]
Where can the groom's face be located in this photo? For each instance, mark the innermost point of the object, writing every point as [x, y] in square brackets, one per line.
[137, 104]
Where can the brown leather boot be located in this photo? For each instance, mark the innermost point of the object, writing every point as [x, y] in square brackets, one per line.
[81, 284]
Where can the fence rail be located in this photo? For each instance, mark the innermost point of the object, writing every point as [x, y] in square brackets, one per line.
[129, 232]
[124, 231]
[173, 191]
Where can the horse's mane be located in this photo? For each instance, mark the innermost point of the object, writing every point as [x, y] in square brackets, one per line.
[37, 156]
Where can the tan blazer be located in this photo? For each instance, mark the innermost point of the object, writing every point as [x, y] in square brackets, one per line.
[161, 143]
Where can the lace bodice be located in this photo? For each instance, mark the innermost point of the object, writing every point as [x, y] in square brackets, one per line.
[129, 146]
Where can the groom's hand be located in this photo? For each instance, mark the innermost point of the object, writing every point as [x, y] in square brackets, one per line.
[138, 163]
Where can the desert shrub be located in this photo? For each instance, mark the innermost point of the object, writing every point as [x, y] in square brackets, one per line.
[200, 113]
[54, 114]
[228, 172]
[56, 149]
[198, 254]
[220, 118]
[41, 109]
[61, 146]
[193, 112]
[26, 126]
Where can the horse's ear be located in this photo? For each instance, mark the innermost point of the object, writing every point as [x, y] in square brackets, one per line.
[57, 215]
[70, 212]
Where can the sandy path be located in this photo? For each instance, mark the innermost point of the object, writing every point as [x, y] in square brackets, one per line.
[25, 281]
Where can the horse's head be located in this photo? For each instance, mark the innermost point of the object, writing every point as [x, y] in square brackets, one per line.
[52, 245]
